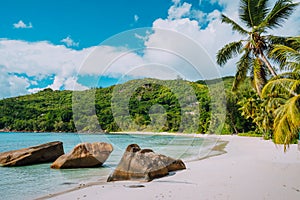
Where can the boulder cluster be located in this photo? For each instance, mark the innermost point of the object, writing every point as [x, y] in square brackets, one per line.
[135, 164]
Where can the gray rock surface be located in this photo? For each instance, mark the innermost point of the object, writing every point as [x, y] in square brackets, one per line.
[32, 155]
[84, 155]
[144, 164]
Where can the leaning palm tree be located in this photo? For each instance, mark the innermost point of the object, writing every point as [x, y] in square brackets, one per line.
[285, 90]
[258, 19]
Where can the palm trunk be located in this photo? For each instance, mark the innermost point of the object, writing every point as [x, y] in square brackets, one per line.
[267, 63]
[233, 125]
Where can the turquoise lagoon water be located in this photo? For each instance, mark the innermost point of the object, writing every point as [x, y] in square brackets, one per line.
[34, 181]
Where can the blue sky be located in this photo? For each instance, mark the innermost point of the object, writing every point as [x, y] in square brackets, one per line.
[45, 43]
[88, 22]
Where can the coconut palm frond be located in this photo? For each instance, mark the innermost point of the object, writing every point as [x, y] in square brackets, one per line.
[282, 51]
[279, 86]
[295, 42]
[288, 55]
[228, 51]
[287, 122]
[295, 66]
[243, 66]
[274, 39]
[288, 75]
[261, 12]
[234, 25]
[273, 102]
[280, 12]
[296, 87]
[249, 12]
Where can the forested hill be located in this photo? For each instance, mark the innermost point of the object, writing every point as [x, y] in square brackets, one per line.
[152, 107]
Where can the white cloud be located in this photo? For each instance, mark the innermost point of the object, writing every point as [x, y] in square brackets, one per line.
[38, 60]
[11, 84]
[4, 83]
[144, 38]
[198, 15]
[212, 38]
[19, 84]
[177, 46]
[168, 53]
[21, 24]
[198, 48]
[72, 84]
[69, 42]
[112, 61]
[177, 11]
[176, 2]
[136, 18]
[186, 20]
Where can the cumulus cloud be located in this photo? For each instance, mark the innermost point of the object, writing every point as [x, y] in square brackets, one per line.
[167, 54]
[178, 45]
[69, 42]
[21, 24]
[4, 83]
[18, 84]
[24, 64]
[198, 15]
[186, 20]
[177, 12]
[210, 38]
[176, 2]
[110, 61]
[71, 83]
[11, 84]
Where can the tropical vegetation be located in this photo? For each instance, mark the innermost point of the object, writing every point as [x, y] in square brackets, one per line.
[152, 107]
[274, 107]
[263, 98]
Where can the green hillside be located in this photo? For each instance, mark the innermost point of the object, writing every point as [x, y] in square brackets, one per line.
[144, 105]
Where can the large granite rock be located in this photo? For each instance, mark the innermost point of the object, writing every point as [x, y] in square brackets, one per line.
[84, 155]
[144, 164]
[32, 155]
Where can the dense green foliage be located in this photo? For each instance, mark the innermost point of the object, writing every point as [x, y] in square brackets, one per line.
[275, 106]
[143, 105]
[255, 47]
[282, 94]
[45, 111]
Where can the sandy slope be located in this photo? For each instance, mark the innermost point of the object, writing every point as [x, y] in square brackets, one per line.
[251, 169]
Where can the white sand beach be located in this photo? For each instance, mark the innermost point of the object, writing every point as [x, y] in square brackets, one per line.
[251, 169]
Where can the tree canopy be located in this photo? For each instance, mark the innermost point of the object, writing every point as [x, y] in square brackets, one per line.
[257, 18]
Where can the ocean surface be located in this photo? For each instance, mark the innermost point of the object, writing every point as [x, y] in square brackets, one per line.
[35, 181]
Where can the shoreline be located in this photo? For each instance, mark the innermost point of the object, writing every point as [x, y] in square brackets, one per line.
[216, 150]
[252, 168]
[122, 133]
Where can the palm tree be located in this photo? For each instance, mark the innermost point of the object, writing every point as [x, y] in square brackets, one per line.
[258, 18]
[285, 90]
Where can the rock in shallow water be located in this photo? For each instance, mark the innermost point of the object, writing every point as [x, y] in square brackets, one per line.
[144, 164]
[84, 155]
[32, 155]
